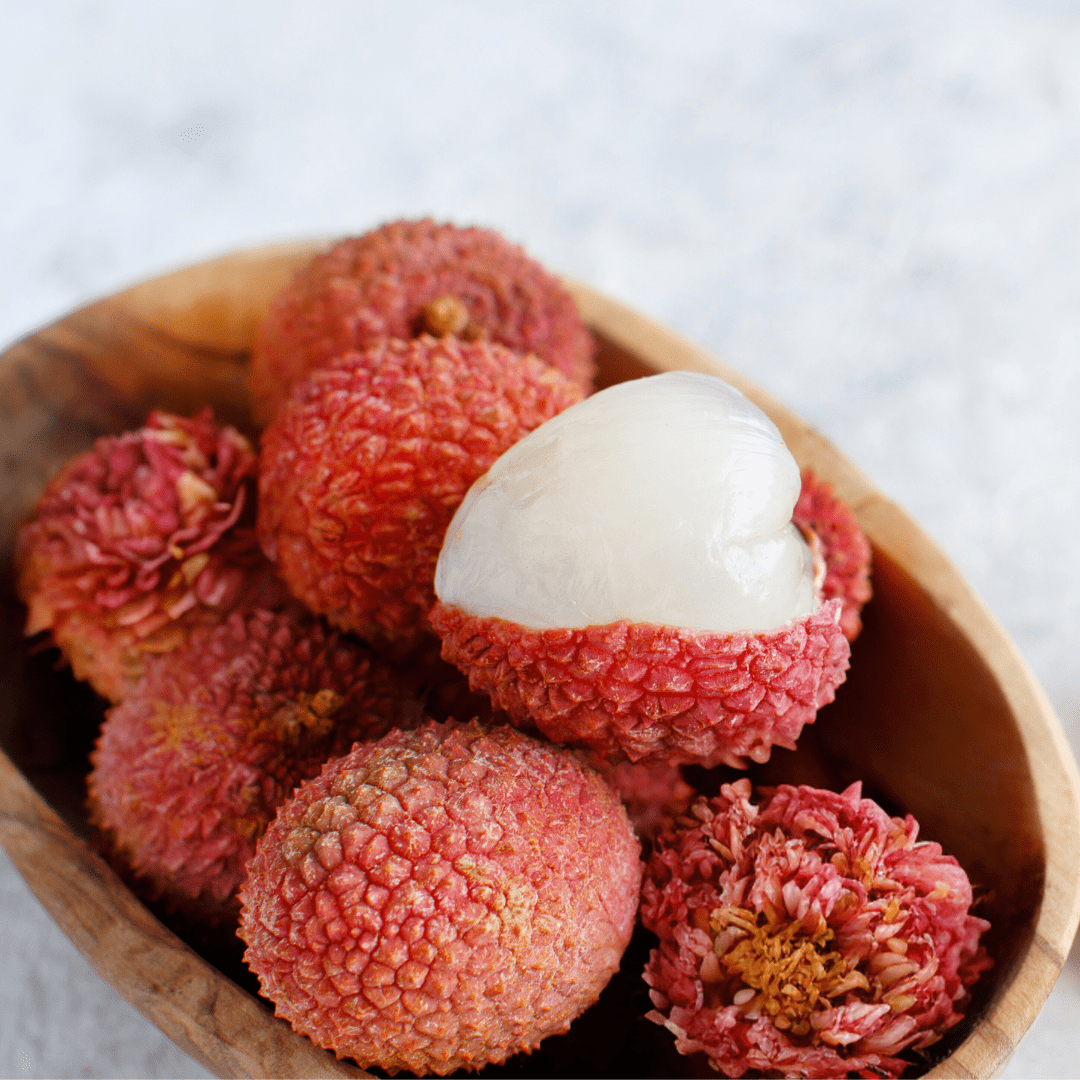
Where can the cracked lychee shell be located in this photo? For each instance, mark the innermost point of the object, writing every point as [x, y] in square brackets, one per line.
[655, 694]
[190, 768]
[844, 549]
[364, 466]
[442, 899]
[140, 540]
[411, 277]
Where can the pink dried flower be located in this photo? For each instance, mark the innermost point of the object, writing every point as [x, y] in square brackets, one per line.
[138, 541]
[809, 936]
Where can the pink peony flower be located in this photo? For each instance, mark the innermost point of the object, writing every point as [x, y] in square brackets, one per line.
[139, 540]
[810, 936]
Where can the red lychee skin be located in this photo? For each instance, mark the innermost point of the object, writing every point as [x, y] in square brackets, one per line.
[139, 541]
[844, 547]
[655, 694]
[365, 464]
[189, 769]
[442, 899]
[377, 285]
[654, 795]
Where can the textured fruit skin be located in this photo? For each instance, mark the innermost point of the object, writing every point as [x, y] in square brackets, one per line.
[365, 464]
[655, 694]
[375, 286]
[190, 768]
[442, 899]
[895, 911]
[654, 795]
[844, 547]
[139, 541]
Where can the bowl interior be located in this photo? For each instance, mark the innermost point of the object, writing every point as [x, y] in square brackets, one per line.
[922, 720]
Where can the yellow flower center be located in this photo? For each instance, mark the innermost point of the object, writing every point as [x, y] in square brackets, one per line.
[792, 971]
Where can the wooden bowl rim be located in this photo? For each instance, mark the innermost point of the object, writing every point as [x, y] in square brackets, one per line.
[231, 1032]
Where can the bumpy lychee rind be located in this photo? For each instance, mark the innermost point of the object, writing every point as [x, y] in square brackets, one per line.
[844, 547]
[655, 694]
[810, 935]
[378, 285]
[654, 795]
[139, 541]
[190, 768]
[365, 464]
[442, 899]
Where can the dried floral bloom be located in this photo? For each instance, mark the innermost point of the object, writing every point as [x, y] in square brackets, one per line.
[140, 540]
[844, 549]
[365, 464]
[191, 767]
[413, 277]
[809, 936]
[442, 899]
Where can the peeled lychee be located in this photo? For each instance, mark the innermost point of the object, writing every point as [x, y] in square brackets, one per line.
[441, 899]
[413, 277]
[189, 769]
[365, 464]
[629, 577]
[140, 540]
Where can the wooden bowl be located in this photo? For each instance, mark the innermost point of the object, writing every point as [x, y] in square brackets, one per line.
[940, 716]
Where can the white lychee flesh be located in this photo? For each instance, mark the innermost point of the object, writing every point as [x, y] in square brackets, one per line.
[663, 500]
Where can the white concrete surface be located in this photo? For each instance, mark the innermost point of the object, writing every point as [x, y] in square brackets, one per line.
[873, 209]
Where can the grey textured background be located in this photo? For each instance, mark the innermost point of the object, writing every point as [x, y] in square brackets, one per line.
[872, 209]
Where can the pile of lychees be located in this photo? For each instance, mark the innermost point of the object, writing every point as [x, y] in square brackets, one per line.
[433, 872]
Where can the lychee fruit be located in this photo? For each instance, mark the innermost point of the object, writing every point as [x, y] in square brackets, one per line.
[654, 795]
[442, 899]
[408, 278]
[140, 540]
[629, 577]
[807, 934]
[365, 464]
[189, 769]
[844, 549]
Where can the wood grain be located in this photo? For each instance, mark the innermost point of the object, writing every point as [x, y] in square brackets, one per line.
[940, 716]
